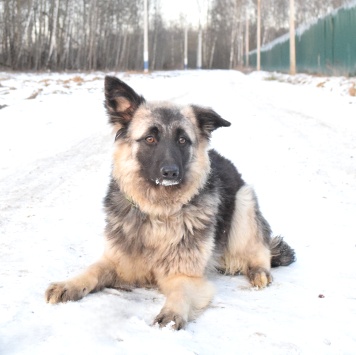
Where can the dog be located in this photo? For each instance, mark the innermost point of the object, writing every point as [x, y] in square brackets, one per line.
[174, 211]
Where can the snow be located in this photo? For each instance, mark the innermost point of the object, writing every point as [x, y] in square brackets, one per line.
[296, 144]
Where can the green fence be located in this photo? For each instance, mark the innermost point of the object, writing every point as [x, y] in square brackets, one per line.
[326, 47]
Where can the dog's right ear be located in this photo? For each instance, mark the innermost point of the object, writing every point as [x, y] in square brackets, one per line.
[121, 101]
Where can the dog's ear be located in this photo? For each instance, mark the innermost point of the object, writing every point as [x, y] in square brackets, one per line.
[121, 101]
[208, 120]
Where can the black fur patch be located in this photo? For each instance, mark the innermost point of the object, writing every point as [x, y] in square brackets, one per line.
[209, 120]
[121, 101]
[228, 180]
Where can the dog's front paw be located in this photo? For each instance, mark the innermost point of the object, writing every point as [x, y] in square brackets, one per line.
[167, 317]
[63, 292]
[259, 277]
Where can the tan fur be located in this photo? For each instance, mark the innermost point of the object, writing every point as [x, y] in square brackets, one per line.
[184, 285]
[156, 201]
[162, 234]
[158, 236]
[143, 119]
[246, 250]
[186, 296]
[123, 103]
[95, 277]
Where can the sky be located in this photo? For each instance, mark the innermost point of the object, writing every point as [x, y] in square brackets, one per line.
[174, 10]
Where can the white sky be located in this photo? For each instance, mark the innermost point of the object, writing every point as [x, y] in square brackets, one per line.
[172, 10]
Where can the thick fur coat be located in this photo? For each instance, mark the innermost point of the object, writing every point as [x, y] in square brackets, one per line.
[175, 210]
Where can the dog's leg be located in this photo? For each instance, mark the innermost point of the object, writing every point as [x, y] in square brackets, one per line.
[248, 244]
[186, 297]
[95, 277]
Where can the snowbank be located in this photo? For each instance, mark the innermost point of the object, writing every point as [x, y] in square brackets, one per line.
[295, 143]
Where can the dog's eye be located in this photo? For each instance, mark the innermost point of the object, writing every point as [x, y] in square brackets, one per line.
[150, 139]
[182, 140]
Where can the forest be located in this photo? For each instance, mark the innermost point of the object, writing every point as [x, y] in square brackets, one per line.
[108, 35]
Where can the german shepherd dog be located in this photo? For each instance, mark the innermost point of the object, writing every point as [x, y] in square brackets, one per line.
[174, 210]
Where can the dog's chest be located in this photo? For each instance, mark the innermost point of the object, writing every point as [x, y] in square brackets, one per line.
[181, 243]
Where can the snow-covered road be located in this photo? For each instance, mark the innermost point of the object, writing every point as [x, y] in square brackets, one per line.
[295, 143]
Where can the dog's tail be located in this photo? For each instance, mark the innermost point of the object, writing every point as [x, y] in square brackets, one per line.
[282, 254]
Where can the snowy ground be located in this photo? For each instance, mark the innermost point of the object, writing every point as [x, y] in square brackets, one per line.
[295, 143]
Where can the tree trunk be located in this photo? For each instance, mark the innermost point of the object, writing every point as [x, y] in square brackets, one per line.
[53, 36]
[292, 54]
[258, 35]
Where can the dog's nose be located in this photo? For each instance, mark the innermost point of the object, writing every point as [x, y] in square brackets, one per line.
[170, 171]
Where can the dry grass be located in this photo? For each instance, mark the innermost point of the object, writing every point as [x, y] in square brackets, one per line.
[76, 79]
[352, 90]
[34, 94]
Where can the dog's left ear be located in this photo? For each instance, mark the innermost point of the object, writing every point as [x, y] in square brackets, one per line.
[208, 120]
[121, 101]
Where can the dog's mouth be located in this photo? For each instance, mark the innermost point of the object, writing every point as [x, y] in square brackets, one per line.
[167, 182]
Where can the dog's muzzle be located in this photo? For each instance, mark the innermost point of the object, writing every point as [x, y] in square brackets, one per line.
[169, 175]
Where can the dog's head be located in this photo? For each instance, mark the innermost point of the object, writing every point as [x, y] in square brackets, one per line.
[161, 153]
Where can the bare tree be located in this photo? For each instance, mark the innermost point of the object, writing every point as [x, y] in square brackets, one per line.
[101, 34]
